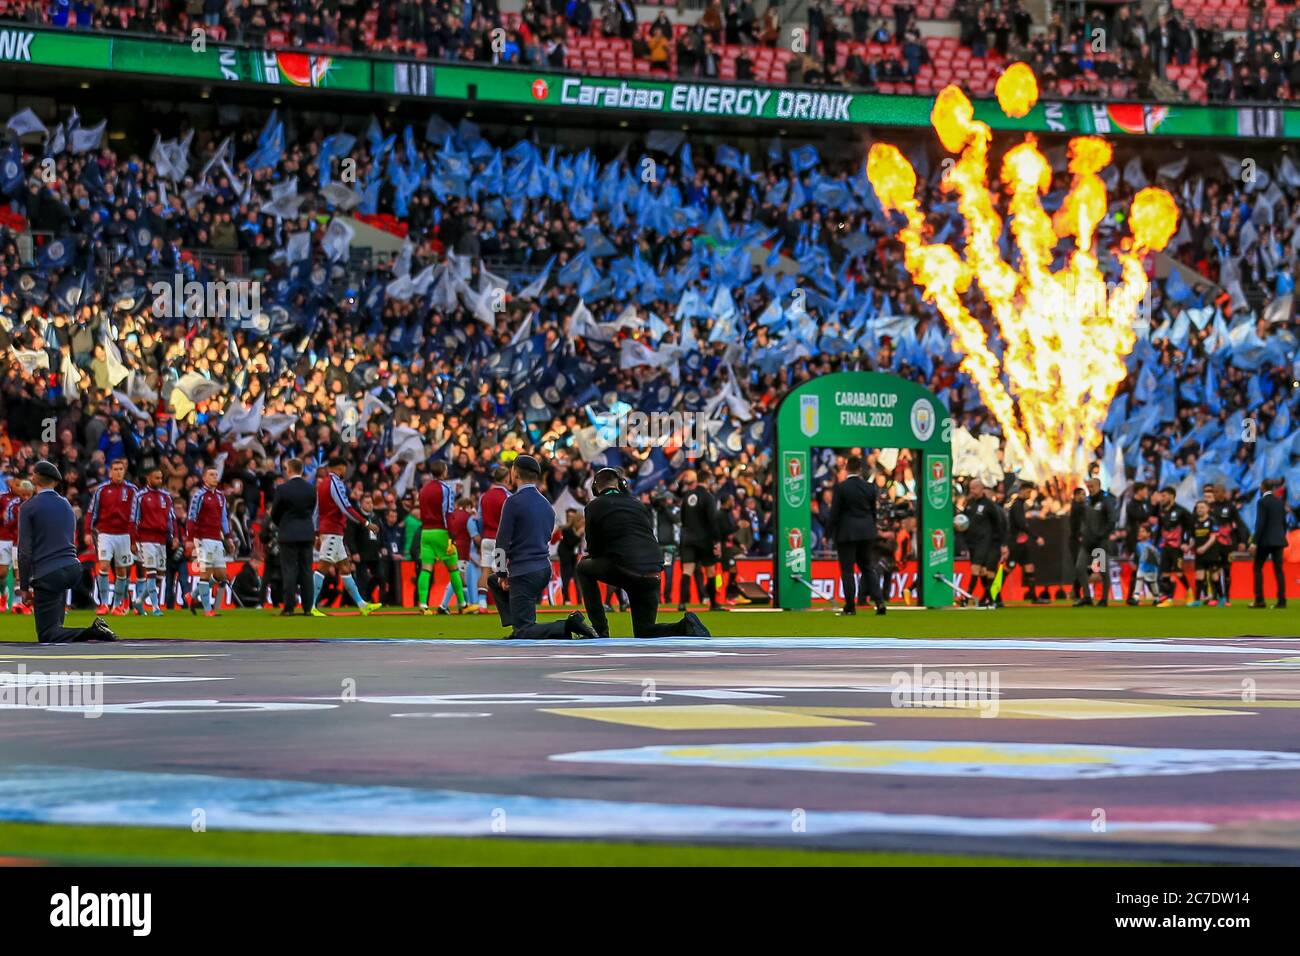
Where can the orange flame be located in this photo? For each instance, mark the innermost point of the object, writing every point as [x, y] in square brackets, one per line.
[1017, 90]
[1065, 335]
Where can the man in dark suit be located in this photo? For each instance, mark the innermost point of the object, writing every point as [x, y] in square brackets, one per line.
[522, 562]
[622, 551]
[47, 560]
[1270, 539]
[293, 513]
[853, 524]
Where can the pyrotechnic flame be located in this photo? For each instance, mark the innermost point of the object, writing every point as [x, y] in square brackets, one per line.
[1017, 90]
[1064, 335]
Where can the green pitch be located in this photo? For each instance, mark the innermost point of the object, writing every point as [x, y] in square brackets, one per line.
[1060, 621]
[76, 845]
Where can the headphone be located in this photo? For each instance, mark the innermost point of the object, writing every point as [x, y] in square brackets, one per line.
[621, 487]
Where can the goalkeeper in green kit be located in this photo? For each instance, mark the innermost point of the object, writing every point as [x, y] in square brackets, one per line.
[437, 501]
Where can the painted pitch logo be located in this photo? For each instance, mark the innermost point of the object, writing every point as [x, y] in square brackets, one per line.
[809, 414]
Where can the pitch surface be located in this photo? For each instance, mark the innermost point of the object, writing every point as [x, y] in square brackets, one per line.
[1144, 750]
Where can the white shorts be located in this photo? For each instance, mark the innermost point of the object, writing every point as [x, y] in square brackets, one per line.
[6, 554]
[153, 556]
[116, 548]
[487, 552]
[210, 554]
[333, 549]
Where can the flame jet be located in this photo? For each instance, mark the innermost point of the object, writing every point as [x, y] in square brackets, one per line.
[1065, 335]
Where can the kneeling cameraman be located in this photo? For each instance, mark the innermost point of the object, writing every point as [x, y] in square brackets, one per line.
[623, 551]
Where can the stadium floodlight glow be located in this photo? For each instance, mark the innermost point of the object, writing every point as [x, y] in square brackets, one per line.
[1065, 334]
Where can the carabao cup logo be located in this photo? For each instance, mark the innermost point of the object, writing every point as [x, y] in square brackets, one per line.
[938, 547]
[936, 481]
[794, 479]
[796, 558]
[809, 414]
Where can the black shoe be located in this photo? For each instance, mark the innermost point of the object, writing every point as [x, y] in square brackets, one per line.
[697, 628]
[1258, 604]
[443, 610]
[286, 613]
[1103, 603]
[847, 611]
[1083, 602]
[578, 627]
[1043, 599]
[681, 608]
[192, 604]
[1280, 605]
[1132, 602]
[716, 607]
[880, 610]
[98, 631]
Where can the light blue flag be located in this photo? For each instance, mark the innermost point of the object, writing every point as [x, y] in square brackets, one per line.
[1281, 425]
[728, 156]
[1176, 288]
[798, 196]
[270, 146]
[832, 194]
[803, 158]
[1212, 400]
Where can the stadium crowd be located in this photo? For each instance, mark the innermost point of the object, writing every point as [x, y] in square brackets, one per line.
[1111, 50]
[652, 282]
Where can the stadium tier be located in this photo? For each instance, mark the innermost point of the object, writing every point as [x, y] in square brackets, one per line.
[1216, 51]
[467, 295]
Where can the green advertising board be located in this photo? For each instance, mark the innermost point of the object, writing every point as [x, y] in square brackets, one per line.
[55, 48]
[627, 97]
[686, 98]
[862, 410]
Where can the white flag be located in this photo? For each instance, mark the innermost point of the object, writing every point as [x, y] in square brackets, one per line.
[24, 122]
[86, 139]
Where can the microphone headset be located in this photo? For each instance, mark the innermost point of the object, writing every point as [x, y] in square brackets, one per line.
[621, 486]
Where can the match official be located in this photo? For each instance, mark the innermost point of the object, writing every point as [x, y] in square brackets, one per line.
[47, 560]
[623, 551]
[986, 539]
[522, 560]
